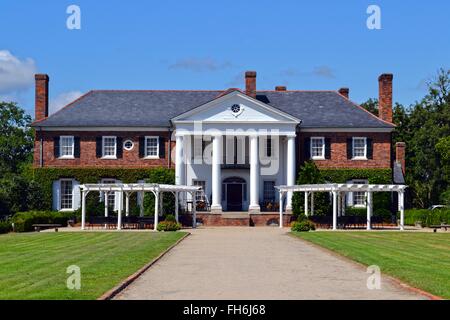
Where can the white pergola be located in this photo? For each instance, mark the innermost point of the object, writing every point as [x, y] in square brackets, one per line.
[128, 189]
[338, 191]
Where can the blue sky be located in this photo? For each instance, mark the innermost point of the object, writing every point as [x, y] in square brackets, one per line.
[168, 44]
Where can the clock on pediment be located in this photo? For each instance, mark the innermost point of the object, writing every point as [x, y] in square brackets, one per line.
[236, 110]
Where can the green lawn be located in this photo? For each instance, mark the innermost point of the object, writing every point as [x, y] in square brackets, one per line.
[419, 259]
[33, 265]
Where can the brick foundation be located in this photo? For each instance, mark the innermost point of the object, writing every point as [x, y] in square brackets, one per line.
[252, 220]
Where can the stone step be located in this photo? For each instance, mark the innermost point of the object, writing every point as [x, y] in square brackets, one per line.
[235, 216]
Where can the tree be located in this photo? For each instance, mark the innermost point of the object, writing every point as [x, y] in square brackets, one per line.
[371, 105]
[16, 137]
[310, 174]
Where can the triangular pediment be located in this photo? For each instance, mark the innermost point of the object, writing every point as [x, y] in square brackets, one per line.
[235, 107]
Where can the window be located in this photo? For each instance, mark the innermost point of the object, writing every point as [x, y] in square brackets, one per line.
[359, 148]
[269, 190]
[152, 147]
[317, 148]
[197, 146]
[109, 147]
[200, 196]
[66, 195]
[66, 147]
[111, 195]
[359, 198]
[128, 145]
[269, 147]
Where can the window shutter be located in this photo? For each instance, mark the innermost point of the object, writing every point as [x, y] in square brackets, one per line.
[369, 148]
[141, 147]
[76, 147]
[349, 148]
[162, 147]
[98, 147]
[56, 151]
[119, 147]
[307, 151]
[56, 191]
[327, 148]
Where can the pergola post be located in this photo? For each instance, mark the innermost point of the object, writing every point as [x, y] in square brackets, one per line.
[83, 209]
[127, 204]
[194, 210]
[106, 206]
[312, 203]
[141, 204]
[306, 203]
[155, 224]
[176, 206]
[119, 213]
[401, 205]
[369, 210]
[281, 208]
[334, 210]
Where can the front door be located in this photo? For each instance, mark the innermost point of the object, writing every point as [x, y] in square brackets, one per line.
[234, 197]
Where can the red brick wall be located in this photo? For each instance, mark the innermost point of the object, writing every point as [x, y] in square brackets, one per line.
[381, 150]
[88, 157]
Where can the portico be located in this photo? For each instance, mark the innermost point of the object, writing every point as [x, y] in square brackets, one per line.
[236, 137]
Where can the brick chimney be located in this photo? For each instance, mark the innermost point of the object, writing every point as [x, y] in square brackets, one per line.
[280, 88]
[385, 97]
[41, 101]
[400, 149]
[250, 83]
[344, 92]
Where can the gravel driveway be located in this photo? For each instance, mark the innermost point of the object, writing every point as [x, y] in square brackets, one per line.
[255, 263]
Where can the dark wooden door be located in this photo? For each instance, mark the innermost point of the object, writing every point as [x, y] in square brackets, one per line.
[234, 197]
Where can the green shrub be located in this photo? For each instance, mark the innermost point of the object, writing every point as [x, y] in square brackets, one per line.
[383, 213]
[426, 217]
[5, 226]
[170, 217]
[302, 226]
[355, 211]
[168, 226]
[23, 221]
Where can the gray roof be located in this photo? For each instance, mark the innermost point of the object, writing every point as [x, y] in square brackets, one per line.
[316, 109]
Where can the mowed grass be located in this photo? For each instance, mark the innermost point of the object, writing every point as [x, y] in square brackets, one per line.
[419, 259]
[34, 265]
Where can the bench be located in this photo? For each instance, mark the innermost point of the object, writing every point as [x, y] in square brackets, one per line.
[440, 226]
[38, 227]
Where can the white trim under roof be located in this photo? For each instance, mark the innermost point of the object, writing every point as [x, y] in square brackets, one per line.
[118, 129]
[346, 129]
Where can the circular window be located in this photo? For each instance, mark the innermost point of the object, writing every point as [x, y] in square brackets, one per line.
[235, 108]
[128, 145]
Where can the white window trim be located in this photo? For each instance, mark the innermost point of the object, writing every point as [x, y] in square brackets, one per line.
[60, 148]
[157, 151]
[311, 148]
[274, 183]
[103, 147]
[365, 149]
[204, 189]
[132, 145]
[357, 181]
[60, 195]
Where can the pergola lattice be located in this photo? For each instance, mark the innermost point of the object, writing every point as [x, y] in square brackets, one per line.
[123, 188]
[338, 191]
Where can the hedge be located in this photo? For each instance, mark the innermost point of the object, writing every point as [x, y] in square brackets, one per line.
[23, 221]
[5, 226]
[46, 176]
[426, 217]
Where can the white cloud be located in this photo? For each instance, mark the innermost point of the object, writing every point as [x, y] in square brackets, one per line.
[15, 74]
[62, 100]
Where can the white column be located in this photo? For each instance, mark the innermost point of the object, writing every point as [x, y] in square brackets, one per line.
[401, 206]
[83, 209]
[127, 204]
[179, 161]
[155, 224]
[176, 206]
[119, 213]
[334, 210]
[369, 210]
[194, 211]
[306, 202]
[106, 208]
[290, 169]
[254, 174]
[312, 203]
[216, 186]
[281, 209]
